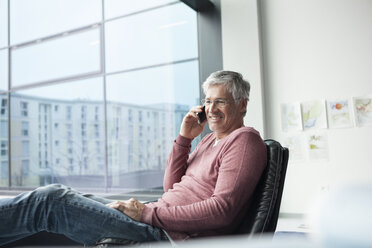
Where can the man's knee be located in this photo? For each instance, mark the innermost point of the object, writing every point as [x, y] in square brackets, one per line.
[50, 191]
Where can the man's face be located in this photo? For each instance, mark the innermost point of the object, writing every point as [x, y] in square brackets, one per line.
[223, 119]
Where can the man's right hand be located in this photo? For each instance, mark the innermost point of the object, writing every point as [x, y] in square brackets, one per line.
[190, 127]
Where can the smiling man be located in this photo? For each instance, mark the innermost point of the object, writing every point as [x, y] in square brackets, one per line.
[207, 192]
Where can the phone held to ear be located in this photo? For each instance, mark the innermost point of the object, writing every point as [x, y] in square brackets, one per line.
[202, 116]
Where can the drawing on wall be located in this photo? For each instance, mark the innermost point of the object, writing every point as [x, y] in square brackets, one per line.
[318, 147]
[363, 110]
[339, 113]
[295, 144]
[291, 116]
[314, 115]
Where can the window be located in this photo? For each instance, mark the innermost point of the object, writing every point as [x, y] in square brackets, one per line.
[4, 106]
[24, 109]
[25, 167]
[96, 130]
[4, 169]
[69, 147]
[171, 29]
[68, 112]
[140, 116]
[58, 18]
[98, 147]
[130, 117]
[4, 149]
[96, 113]
[80, 119]
[69, 131]
[3, 129]
[84, 147]
[24, 128]
[83, 112]
[3, 64]
[3, 24]
[81, 55]
[83, 130]
[25, 148]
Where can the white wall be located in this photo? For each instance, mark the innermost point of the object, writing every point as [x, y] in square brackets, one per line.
[241, 51]
[312, 50]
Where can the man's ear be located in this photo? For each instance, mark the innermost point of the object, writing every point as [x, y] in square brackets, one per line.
[243, 106]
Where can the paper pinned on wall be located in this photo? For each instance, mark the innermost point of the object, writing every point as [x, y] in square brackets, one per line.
[363, 110]
[318, 146]
[314, 114]
[339, 113]
[291, 117]
[295, 144]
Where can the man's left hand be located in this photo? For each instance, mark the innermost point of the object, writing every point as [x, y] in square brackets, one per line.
[132, 208]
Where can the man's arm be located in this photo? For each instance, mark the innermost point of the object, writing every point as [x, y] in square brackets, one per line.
[177, 160]
[240, 170]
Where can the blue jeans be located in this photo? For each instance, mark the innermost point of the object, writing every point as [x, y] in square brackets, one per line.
[83, 218]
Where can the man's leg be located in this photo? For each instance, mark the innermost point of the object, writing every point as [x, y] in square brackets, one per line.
[58, 209]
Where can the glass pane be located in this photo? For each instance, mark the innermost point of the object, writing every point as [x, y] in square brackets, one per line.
[3, 23]
[3, 69]
[32, 19]
[57, 135]
[3, 140]
[67, 56]
[114, 8]
[144, 119]
[154, 37]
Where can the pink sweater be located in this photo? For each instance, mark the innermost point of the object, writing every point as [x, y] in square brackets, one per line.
[208, 191]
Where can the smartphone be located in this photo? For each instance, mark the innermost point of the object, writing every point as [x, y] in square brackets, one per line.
[202, 116]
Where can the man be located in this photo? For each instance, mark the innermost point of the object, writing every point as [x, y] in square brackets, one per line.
[207, 192]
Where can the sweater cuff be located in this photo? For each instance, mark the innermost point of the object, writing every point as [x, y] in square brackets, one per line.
[146, 216]
[183, 141]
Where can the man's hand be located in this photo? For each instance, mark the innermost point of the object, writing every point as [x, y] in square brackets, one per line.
[132, 208]
[190, 127]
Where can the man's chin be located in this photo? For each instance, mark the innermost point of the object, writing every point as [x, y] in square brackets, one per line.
[213, 127]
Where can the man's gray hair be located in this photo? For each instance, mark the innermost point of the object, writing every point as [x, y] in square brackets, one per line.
[233, 81]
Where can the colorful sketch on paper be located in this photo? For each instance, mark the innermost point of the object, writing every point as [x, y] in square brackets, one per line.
[339, 113]
[363, 110]
[295, 144]
[318, 147]
[314, 115]
[291, 116]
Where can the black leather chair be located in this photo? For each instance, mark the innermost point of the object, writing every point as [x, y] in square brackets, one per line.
[261, 217]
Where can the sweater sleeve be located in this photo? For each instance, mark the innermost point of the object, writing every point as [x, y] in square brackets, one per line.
[241, 164]
[177, 162]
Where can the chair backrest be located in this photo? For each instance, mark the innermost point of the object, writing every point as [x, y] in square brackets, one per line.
[262, 215]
